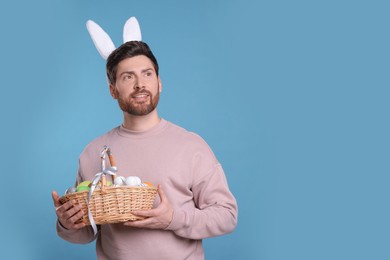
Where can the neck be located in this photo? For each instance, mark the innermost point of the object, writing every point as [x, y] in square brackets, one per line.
[140, 123]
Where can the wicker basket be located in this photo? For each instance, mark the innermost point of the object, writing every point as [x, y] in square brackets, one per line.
[115, 204]
[112, 204]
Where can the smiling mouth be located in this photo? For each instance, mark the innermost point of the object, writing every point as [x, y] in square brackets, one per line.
[141, 97]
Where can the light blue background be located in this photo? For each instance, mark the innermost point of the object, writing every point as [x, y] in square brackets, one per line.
[292, 96]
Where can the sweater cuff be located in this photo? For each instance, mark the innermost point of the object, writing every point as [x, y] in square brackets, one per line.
[60, 227]
[179, 220]
[63, 230]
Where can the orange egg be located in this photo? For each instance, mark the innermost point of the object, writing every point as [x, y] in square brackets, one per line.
[149, 184]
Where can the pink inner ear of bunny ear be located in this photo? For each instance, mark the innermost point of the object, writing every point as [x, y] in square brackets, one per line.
[101, 39]
[131, 30]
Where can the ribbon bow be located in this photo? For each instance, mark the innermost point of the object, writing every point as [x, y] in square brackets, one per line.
[100, 176]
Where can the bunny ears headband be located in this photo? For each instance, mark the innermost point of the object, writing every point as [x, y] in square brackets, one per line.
[103, 42]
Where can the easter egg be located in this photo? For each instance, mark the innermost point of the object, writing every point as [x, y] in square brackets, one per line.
[148, 184]
[82, 188]
[120, 181]
[84, 183]
[133, 181]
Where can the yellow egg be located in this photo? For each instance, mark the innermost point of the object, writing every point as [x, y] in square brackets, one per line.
[82, 188]
[84, 183]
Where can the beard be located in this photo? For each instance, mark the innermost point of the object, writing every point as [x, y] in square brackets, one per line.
[132, 107]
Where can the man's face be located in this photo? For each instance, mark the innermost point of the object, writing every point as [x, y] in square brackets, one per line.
[137, 86]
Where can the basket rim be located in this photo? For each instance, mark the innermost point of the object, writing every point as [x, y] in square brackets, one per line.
[135, 188]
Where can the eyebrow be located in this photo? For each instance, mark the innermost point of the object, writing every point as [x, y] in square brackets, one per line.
[132, 72]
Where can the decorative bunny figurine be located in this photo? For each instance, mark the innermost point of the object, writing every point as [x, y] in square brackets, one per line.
[103, 42]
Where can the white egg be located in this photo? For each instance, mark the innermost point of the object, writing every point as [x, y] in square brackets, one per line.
[133, 181]
[120, 181]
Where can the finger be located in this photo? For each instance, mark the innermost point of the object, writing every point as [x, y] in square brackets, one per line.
[79, 225]
[69, 218]
[138, 223]
[56, 199]
[71, 211]
[75, 217]
[71, 224]
[161, 193]
[145, 213]
[71, 204]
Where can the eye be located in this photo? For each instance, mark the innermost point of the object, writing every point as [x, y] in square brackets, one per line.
[128, 77]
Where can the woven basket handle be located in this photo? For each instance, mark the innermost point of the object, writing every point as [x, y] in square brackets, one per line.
[104, 183]
[103, 180]
[112, 162]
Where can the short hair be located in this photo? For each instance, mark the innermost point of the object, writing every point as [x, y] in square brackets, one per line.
[128, 50]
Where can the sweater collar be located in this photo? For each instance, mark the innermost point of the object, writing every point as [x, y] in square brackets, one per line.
[142, 134]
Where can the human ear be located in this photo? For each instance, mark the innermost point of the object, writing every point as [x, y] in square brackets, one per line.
[113, 92]
[159, 84]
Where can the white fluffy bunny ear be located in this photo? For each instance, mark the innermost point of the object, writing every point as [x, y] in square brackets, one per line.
[101, 39]
[131, 30]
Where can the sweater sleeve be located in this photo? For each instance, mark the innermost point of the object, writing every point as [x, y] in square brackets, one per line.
[215, 212]
[81, 236]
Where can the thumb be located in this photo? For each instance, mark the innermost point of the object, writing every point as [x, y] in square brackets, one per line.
[161, 193]
[56, 198]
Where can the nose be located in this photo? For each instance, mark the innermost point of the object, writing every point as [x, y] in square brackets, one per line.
[139, 83]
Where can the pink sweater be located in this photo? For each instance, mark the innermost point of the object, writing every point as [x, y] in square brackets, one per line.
[192, 179]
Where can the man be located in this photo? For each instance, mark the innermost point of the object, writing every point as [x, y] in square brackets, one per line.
[194, 201]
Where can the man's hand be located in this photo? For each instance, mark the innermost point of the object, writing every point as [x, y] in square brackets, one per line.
[68, 213]
[157, 218]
